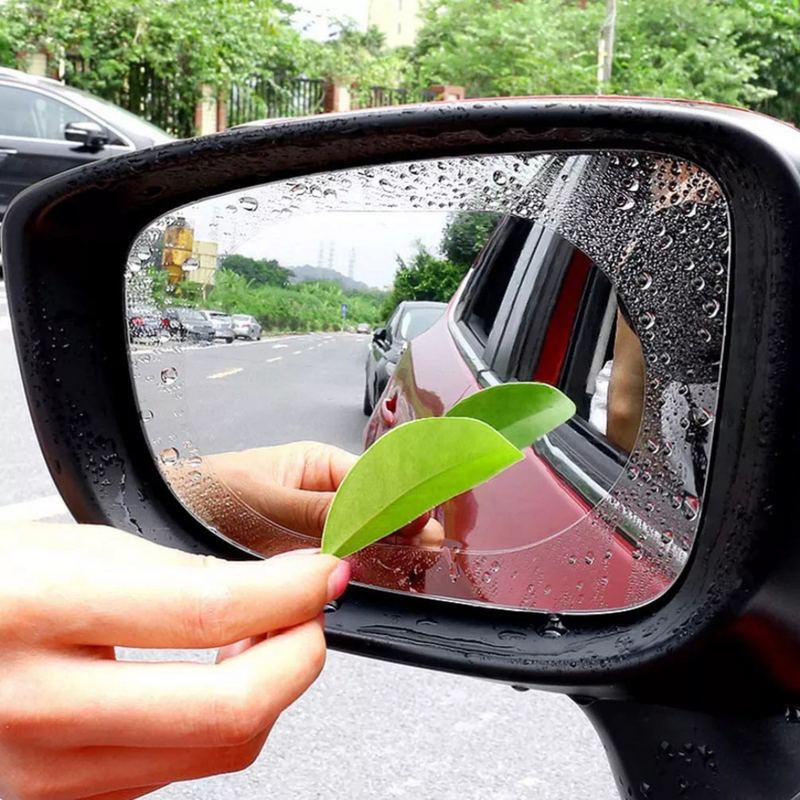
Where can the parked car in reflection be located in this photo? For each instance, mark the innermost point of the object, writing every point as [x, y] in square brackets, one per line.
[246, 327]
[188, 324]
[410, 319]
[146, 324]
[222, 324]
[534, 307]
[363, 327]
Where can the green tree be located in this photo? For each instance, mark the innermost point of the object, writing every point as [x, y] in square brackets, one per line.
[357, 59]
[106, 44]
[506, 47]
[678, 48]
[257, 271]
[466, 234]
[770, 32]
[674, 48]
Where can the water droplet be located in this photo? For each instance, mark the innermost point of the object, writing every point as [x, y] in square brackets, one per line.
[687, 264]
[711, 308]
[644, 280]
[702, 417]
[231, 209]
[169, 375]
[624, 202]
[248, 203]
[704, 335]
[145, 415]
[589, 559]
[169, 455]
[698, 283]
[191, 264]
[500, 178]
[646, 320]
[195, 461]
[554, 628]
[664, 242]
[637, 554]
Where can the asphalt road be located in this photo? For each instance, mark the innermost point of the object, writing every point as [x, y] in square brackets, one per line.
[252, 394]
[366, 729]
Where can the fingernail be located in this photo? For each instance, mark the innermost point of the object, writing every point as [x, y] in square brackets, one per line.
[306, 551]
[338, 580]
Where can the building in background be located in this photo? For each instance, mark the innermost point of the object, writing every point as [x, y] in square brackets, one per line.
[398, 20]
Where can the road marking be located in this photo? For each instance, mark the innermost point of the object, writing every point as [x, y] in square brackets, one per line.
[297, 352]
[279, 346]
[31, 510]
[225, 374]
[277, 358]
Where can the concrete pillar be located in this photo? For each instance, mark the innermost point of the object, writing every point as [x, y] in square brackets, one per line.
[449, 92]
[336, 98]
[37, 65]
[205, 115]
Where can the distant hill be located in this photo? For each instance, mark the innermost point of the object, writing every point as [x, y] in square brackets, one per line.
[307, 273]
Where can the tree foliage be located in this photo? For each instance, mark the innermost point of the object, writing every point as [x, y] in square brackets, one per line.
[308, 306]
[104, 45]
[428, 277]
[466, 234]
[743, 52]
[258, 272]
[356, 59]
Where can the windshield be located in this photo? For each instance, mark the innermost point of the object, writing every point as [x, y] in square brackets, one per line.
[418, 320]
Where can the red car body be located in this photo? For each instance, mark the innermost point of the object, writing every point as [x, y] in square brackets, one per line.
[528, 521]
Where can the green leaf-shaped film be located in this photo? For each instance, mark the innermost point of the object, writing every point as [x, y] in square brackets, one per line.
[409, 471]
[522, 412]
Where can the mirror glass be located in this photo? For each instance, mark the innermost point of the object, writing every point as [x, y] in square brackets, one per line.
[271, 329]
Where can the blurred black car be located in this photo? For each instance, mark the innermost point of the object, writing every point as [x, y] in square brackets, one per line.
[410, 319]
[47, 127]
[188, 325]
[146, 324]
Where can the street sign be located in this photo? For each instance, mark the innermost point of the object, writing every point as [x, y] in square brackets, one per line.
[345, 309]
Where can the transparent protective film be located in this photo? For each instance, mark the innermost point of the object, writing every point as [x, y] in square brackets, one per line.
[278, 331]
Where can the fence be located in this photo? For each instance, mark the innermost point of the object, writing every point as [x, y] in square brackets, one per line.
[261, 98]
[183, 109]
[158, 100]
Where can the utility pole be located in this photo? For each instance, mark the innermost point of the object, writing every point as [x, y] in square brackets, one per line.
[605, 50]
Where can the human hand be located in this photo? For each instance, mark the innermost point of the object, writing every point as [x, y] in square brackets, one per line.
[75, 723]
[294, 485]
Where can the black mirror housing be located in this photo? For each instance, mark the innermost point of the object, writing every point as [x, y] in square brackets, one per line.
[91, 135]
[739, 585]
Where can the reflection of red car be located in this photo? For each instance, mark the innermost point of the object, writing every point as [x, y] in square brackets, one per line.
[533, 308]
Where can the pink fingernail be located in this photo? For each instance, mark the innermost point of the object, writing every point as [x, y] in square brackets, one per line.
[306, 551]
[338, 580]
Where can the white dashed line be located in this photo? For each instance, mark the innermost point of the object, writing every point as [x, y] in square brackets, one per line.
[225, 374]
[271, 360]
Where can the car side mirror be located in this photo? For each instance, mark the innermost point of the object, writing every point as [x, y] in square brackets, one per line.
[662, 592]
[91, 135]
[380, 336]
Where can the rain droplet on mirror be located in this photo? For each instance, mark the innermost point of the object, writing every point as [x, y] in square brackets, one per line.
[169, 455]
[248, 203]
[169, 375]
